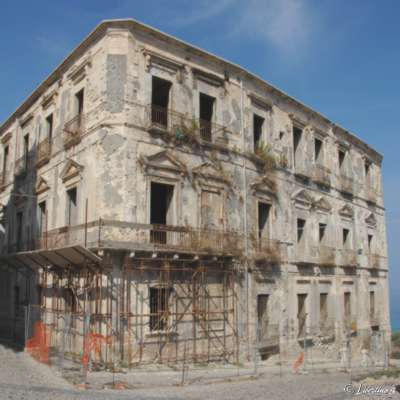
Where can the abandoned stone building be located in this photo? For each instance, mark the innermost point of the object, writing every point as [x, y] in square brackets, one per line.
[173, 205]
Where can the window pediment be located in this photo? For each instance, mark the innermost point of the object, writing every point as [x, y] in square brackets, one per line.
[371, 220]
[264, 185]
[71, 170]
[323, 205]
[164, 161]
[41, 186]
[210, 171]
[347, 212]
[302, 199]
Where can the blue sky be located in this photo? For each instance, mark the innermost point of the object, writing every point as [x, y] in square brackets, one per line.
[339, 57]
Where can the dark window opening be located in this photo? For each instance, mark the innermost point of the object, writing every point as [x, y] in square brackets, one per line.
[20, 218]
[323, 308]
[49, 123]
[301, 313]
[297, 133]
[79, 100]
[370, 238]
[258, 123]
[263, 219]
[262, 313]
[42, 218]
[71, 302]
[341, 157]
[161, 211]
[206, 116]
[317, 149]
[322, 231]
[345, 237]
[160, 101]
[301, 223]
[5, 161]
[372, 304]
[347, 306]
[72, 207]
[159, 307]
[367, 168]
[26, 150]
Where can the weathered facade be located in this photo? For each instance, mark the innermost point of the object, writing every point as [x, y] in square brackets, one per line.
[175, 205]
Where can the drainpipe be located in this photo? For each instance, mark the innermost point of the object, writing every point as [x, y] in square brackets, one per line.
[246, 265]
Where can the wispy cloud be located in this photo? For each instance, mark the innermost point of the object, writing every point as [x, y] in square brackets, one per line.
[286, 25]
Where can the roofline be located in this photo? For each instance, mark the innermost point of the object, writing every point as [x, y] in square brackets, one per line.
[102, 27]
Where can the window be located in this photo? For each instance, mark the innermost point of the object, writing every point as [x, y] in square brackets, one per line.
[79, 102]
[159, 307]
[206, 116]
[301, 224]
[262, 313]
[341, 158]
[301, 313]
[49, 124]
[42, 222]
[345, 237]
[297, 133]
[317, 150]
[26, 150]
[323, 308]
[160, 101]
[20, 218]
[72, 207]
[347, 306]
[370, 240]
[372, 304]
[258, 124]
[5, 160]
[321, 234]
[367, 168]
[263, 219]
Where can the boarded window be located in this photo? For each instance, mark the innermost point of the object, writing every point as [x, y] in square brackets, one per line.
[372, 304]
[347, 306]
[262, 311]
[301, 313]
[211, 210]
[323, 308]
[159, 307]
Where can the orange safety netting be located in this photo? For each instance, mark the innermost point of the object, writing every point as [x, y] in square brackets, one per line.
[298, 362]
[39, 345]
[93, 342]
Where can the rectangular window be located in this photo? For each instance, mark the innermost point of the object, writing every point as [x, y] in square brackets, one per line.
[5, 160]
[20, 220]
[372, 304]
[26, 150]
[321, 233]
[341, 158]
[262, 312]
[323, 308]
[346, 238]
[370, 242]
[49, 127]
[263, 219]
[297, 134]
[347, 306]
[42, 218]
[207, 104]
[258, 124]
[301, 313]
[159, 307]
[79, 102]
[367, 168]
[317, 150]
[160, 93]
[301, 225]
[72, 207]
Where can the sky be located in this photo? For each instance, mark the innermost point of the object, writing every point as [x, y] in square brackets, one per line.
[340, 57]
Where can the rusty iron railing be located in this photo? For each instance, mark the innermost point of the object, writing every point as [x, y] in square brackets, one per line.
[73, 131]
[183, 127]
[321, 175]
[43, 152]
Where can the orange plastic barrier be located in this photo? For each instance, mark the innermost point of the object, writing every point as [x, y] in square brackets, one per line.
[39, 345]
[298, 362]
[93, 342]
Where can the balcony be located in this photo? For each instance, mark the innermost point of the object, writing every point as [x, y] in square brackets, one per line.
[138, 237]
[374, 320]
[371, 193]
[326, 256]
[267, 249]
[21, 166]
[376, 261]
[346, 184]
[73, 131]
[43, 153]
[327, 327]
[321, 175]
[306, 255]
[347, 258]
[183, 128]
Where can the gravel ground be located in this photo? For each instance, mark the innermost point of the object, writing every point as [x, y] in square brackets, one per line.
[23, 378]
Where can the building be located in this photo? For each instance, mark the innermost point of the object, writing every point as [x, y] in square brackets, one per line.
[177, 206]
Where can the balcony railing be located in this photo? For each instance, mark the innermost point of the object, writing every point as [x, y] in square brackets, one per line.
[376, 261]
[321, 175]
[346, 184]
[182, 127]
[21, 166]
[267, 249]
[348, 258]
[133, 236]
[371, 193]
[43, 152]
[73, 131]
[326, 256]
